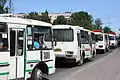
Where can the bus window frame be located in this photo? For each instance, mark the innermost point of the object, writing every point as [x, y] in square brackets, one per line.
[72, 36]
[6, 32]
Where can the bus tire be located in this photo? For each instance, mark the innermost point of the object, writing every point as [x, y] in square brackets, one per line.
[36, 74]
[81, 61]
[108, 49]
[94, 54]
[104, 51]
[91, 59]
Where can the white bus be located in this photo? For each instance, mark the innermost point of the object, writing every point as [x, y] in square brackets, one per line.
[102, 41]
[70, 44]
[113, 39]
[93, 42]
[18, 59]
[87, 44]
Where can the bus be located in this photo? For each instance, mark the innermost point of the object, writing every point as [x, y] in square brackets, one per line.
[102, 41]
[19, 60]
[93, 42]
[113, 39]
[70, 45]
[87, 44]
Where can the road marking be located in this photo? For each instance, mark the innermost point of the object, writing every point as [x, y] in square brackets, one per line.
[88, 66]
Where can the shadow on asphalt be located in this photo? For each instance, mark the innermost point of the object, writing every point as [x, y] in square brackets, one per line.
[45, 79]
[60, 64]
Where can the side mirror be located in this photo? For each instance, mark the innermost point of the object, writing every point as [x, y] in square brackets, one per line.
[86, 42]
[93, 42]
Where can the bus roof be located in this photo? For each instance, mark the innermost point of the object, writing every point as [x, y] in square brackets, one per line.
[64, 27]
[16, 20]
[101, 31]
[81, 28]
[112, 33]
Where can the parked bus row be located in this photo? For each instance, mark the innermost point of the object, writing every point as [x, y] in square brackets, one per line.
[29, 48]
[76, 44]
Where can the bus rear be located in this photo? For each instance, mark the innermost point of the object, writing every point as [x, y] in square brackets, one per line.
[113, 39]
[66, 47]
[102, 41]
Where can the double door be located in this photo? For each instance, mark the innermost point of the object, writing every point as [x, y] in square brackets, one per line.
[17, 52]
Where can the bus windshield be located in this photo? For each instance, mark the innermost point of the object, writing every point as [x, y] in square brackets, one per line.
[111, 37]
[99, 37]
[63, 34]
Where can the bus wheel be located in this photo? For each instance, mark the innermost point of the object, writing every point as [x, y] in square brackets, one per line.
[108, 49]
[94, 54]
[37, 74]
[104, 51]
[81, 61]
[91, 59]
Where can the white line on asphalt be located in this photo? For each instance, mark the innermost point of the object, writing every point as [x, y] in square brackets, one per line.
[78, 71]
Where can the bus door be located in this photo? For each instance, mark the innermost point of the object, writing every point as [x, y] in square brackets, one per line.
[17, 50]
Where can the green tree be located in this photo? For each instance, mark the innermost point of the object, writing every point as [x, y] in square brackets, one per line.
[34, 16]
[45, 17]
[3, 7]
[82, 19]
[94, 27]
[60, 20]
[98, 23]
[107, 29]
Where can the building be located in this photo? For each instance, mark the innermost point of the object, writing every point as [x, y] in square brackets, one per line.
[20, 15]
[53, 16]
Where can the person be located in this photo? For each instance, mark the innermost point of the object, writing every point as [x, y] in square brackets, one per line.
[36, 44]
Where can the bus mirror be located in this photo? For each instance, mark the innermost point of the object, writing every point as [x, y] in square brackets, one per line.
[86, 42]
[93, 42]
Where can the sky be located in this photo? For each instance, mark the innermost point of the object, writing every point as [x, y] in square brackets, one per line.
[107, 10]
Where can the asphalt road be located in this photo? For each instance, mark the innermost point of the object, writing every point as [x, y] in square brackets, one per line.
[103, 67]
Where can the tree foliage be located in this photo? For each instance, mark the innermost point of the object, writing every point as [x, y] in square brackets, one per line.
[34, 16]
[107, 29]
[94, 27]
[60, 20]
[3, 7]
[98, 23]
[82, 19]
[43, 17]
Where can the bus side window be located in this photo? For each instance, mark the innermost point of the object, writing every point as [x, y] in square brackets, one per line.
[3, 37]
[29, 37]
[106, 39]
[20, 43]
[78, 38]
[3, 43]
[82, 33]
[116, 38]
[12, 43]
